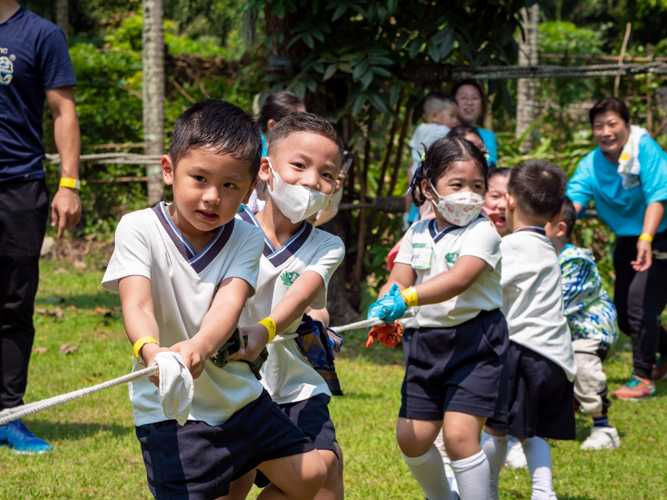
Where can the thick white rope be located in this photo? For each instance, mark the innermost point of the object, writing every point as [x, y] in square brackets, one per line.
[11, 414]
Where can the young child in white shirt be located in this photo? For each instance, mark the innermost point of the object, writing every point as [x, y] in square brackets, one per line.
[303, 162]
[540, 362]
[184, 271]
[448, 272]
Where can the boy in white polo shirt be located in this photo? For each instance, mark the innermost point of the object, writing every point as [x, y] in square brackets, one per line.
[184, 272]
[540, 362]
[301, 168]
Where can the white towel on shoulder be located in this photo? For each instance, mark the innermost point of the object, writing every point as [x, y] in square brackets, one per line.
[628, 163]
[176, 386]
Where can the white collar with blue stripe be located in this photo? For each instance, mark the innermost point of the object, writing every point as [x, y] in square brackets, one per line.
[198, 261]
[279, 257]
[437, 236]
[532, 229]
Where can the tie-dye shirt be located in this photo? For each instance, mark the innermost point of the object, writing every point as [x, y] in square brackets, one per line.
[589, 311]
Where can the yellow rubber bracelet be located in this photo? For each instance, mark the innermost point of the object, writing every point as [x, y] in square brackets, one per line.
[410, 296]
[142, 342]
[647, 237]
[270, 326]
[70, 183]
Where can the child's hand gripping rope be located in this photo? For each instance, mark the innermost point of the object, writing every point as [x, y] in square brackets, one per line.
[389, 309]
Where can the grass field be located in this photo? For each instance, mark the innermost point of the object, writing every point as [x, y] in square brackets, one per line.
[96, 454]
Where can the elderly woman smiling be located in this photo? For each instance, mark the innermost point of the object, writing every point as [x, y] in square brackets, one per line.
[626, 177]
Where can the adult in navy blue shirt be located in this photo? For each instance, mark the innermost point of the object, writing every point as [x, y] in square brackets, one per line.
[34, 67]
[626, 177]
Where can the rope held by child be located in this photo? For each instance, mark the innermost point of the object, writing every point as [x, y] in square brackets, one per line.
[11, 414]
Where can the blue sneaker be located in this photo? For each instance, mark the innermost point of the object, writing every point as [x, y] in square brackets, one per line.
[19, 438]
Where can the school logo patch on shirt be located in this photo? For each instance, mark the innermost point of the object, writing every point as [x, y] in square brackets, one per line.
[6, 69]
[451, 257]
[288, 278]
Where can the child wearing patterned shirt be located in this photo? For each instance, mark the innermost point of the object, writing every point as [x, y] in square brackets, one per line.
[591, 316]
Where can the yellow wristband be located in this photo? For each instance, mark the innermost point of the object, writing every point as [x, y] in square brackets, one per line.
[142, 342]
[270, 326]
[647, 237]
[70, 183]
[410, 296]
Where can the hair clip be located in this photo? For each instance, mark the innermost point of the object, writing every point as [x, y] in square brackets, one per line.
[413, 182]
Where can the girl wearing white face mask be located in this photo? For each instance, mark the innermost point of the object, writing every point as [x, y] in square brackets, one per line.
[448, 272]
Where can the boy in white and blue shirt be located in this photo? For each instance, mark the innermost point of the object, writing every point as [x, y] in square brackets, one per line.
[591, 316]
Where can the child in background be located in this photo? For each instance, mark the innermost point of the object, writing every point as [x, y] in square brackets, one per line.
[184, 271]
[448, 271]
[540, 362]
[470, 133]
[303, 162]
[591, 316]
[440, 115]
[276, 107]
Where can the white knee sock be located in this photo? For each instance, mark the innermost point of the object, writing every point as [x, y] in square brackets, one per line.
[538, 455]
[472, 474]
[495, 448]
[429, 472]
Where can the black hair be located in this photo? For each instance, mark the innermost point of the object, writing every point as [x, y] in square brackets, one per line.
[569, 217]
[461, 83]
[538, 187]
[219, 127]
[440, 157]
[301, 121]
[610, 104]
[436, 101]
[276, 107]
[498, 172]
[463, 130]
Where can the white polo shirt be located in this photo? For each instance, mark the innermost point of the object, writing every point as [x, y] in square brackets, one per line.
[533, 298]
[431, 252]
[182, 286]
[287, 375]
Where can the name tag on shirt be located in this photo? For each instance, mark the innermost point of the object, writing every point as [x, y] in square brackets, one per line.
[422, 256]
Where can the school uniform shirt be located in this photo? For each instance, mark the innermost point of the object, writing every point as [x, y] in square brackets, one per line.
[183, 284]
[287, 374]
[431, 252]
[597, 179]
[533, 299]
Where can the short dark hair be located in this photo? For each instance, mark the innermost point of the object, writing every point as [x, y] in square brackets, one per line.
[498, 172]
[220, 127]
[436, 101]
[467, 81]
[569, 217]
[277, 106]
[463, 130]
[300, 121]
[610, 104]
[538, 187]
[442, 154]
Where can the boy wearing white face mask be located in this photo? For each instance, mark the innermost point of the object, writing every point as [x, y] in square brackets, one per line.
[448, 272]
[303, 162]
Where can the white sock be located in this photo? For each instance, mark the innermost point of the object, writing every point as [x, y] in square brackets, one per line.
[495, 448]
[472, 474]
[538, 455]
[429, 471]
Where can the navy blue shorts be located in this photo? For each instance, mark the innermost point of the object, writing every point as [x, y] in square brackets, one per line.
[461, 369]
[541, 397]
[198, 461]
[312, 417]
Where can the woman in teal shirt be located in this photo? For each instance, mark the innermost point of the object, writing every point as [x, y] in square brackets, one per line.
[633, 206]
[469, 96]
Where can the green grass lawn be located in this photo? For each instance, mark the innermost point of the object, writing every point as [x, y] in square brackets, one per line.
[96, 454]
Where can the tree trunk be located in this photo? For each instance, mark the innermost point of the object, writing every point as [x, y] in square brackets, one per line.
[153, 93]
[62, 16]
[528, 56]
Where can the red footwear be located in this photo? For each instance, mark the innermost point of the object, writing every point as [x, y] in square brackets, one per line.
[660, 369]
[637, 389]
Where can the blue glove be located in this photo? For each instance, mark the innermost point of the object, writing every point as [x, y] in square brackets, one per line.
[390, 307]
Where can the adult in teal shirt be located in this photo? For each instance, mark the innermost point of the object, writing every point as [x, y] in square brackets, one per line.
[635, 211]
[469, 96]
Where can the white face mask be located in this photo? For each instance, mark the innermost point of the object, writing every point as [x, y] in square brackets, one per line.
[297, 203]
[459, 209]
